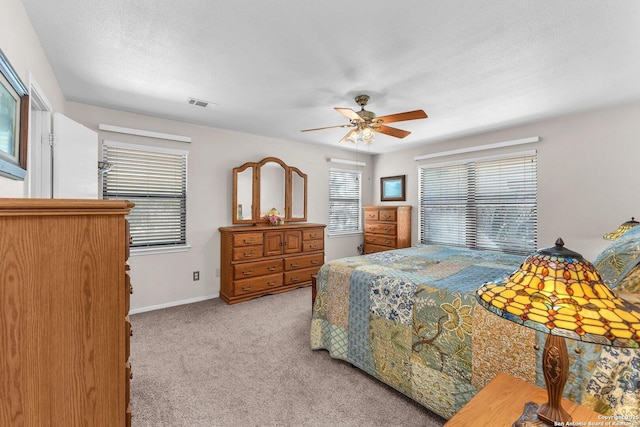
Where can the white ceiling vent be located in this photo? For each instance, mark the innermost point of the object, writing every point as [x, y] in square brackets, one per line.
[201, 103]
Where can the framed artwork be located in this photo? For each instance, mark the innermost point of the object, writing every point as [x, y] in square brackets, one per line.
[392, 188]
[14, 115]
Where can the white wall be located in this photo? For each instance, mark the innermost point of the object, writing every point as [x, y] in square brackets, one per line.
[587, 173]
[164, 278]
[22, 48]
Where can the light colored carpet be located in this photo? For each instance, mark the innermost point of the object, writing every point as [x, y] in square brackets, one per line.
[250, 364]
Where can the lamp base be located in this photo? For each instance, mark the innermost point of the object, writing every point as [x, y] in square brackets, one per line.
[553, 415]
[529, 417]
[555, 367]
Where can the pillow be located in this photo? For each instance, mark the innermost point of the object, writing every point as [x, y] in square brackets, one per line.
[617, 260]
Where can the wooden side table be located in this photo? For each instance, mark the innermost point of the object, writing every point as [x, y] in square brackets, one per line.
[502, 402]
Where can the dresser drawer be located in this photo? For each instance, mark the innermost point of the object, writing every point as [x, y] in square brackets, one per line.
[389, 229]
[312, 245]
[241, 287]
[128, 377]
[371, 215]
[259, 268]
[387, 215]
[247, 239]
[313, 234]
[128, 330]
[128, 290]
[371, 249]
[378, 239]
[307, 261]
[246, 253]
[299, 276]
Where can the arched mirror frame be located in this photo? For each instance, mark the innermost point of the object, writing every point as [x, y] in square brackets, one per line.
[291, 179]
[236, 207]
[289, 172]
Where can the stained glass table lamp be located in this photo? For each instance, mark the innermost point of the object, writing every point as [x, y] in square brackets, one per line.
[558, 292]
[624, 227]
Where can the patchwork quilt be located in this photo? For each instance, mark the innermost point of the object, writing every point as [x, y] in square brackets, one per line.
[408, 317]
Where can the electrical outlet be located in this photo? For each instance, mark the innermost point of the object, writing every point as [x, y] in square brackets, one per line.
[196, 275]
[217, 272]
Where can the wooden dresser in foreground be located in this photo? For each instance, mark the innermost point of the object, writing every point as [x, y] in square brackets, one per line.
[64, 301]
[386, 227]
[262, 259]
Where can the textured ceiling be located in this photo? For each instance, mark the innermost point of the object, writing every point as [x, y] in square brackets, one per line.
[276, 67]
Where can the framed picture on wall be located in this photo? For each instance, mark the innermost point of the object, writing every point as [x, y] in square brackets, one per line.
[392, 188]
[14, 114]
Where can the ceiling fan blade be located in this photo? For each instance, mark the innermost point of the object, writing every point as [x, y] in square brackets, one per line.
[400, 117]
[388, 130]
[349, 113]
[328, 127]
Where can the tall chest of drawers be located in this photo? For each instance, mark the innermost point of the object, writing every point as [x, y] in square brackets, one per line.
[64, 327]
[261, 259]
[386, 227]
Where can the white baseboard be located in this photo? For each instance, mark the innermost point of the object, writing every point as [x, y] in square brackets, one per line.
[171, 304]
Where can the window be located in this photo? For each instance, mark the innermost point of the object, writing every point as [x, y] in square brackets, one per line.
[482, 204]
[155, 179]
[345, 204]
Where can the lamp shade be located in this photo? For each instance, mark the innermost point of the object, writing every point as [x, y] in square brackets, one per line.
[558, 292]
[624, 227]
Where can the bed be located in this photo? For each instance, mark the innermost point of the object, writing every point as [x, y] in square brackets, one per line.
[408, 318]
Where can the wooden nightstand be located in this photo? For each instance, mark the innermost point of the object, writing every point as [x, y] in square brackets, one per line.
[502, 401]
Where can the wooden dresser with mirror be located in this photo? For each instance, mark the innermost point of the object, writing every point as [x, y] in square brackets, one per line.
[257, 258]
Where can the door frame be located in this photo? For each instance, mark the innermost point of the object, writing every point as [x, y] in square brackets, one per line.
[39, 153]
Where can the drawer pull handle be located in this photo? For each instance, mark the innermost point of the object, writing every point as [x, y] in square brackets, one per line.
[387, 229]
[247, 241]
[246, 288]
[272, 283]
[313, 236]
[313, 247]
[294, 265]
[294, 279]
[272, 268]
[247, 272]
[387, 241]
[314, 261]
[248, 254]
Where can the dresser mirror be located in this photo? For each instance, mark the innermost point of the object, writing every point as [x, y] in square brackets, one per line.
[298, 195]
[270, 183]
[272, 187]
[243, 193]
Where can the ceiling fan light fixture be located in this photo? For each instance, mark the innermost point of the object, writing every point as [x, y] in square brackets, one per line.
[353, 136]
[368, 136]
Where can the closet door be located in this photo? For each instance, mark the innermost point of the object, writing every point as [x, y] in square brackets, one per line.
[75, 160]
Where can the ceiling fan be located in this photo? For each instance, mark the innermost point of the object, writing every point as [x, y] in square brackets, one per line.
[365, 123]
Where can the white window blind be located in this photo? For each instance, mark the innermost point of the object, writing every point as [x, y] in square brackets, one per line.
[155, 180]
[482, 204]
[345, 204]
